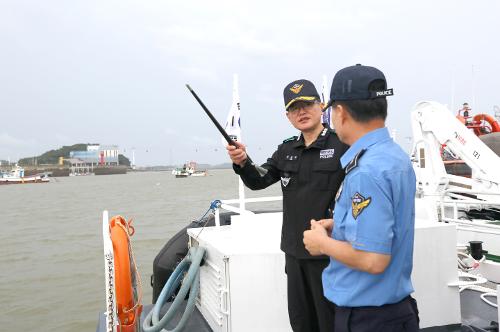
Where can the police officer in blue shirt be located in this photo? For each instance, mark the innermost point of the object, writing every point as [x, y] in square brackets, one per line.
[308, 167]
[370, 245]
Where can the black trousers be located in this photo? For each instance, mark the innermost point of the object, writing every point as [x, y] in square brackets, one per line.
[308, 309]
[396, 317]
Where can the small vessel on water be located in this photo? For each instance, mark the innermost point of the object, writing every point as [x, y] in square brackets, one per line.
[188, 169]
[16, 176]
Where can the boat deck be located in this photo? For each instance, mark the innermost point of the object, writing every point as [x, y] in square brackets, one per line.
[476, 312]
[196, 322]
[471, 305]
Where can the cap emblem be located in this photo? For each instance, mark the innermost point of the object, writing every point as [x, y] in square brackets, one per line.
[296, 88]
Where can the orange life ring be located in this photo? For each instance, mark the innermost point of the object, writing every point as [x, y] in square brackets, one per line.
[495, 126]
[127, 302]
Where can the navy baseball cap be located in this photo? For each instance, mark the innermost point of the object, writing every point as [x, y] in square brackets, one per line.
[352, 83]
[299, 90]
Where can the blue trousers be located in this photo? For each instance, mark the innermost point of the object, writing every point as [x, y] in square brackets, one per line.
[395, 317]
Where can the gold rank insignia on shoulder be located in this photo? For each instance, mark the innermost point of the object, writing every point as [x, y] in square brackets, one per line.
[296, 88]
[359, 203]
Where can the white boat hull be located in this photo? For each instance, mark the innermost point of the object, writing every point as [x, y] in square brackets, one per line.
[24, 180]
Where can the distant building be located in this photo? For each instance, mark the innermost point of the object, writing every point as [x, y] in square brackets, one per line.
[93, 147]
[109, 154]
[96, 155]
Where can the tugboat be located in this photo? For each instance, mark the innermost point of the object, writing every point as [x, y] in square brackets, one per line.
[16, 176]
[189, 169]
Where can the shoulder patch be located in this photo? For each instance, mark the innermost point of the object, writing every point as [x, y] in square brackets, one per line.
[354, 162]
[289, 139]
[359, 203]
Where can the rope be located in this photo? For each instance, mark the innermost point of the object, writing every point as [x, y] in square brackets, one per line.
[485, 290]
[468, 263]
[213, 206]
[476, 280]
[483, 297]
[130, 230]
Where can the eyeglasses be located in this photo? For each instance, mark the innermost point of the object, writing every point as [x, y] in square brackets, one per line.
[297, 106]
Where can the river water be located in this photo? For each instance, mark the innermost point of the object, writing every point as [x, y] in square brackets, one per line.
[51, 252]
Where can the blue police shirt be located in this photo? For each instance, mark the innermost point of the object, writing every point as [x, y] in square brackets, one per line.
[375, 212]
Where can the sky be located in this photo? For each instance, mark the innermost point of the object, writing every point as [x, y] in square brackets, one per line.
[114, 72]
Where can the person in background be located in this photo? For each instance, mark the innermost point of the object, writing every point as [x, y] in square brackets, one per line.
[370, 239]
[308, 167]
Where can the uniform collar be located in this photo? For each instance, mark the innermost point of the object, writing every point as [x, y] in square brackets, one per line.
[364, 143]
[318, 143]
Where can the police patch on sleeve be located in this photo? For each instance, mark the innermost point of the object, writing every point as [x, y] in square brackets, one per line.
[359, 203]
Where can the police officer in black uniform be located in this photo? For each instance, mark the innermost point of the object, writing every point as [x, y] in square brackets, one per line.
[308, 167]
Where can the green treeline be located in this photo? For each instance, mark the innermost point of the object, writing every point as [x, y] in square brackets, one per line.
[52, 157]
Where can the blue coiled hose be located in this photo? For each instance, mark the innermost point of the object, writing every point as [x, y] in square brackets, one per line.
[191, 264]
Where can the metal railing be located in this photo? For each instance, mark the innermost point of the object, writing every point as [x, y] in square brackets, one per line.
[459, 203]
[226, 205]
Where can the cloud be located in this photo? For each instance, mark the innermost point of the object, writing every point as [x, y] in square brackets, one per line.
[110, 59]
[205, 141]
[62, 138]
[205, 73]
[229, 31]
[192, 140]
[8, 141]
[14, 148]
[170, 132]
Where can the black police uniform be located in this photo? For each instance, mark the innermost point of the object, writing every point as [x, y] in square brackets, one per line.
[310, 177]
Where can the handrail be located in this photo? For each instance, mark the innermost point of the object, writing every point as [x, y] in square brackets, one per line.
[225, 204]
[254, 200]
[468, 191]
[453, 199]
[473, 228]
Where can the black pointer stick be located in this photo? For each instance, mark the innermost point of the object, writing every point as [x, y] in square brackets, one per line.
[214, 120]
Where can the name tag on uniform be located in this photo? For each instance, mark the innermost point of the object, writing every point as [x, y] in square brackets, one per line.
[325, 154]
